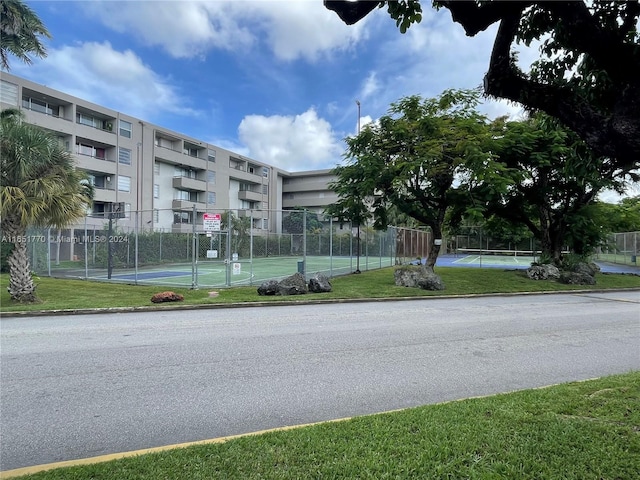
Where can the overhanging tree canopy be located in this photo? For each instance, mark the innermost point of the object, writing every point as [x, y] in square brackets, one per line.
[589, 73]
[410, 159]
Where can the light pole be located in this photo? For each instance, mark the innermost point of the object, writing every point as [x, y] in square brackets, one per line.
[358, 219]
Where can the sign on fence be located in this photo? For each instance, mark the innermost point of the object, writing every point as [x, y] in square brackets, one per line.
[211, 222]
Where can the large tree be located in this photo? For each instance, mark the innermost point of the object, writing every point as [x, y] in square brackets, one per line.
[549, 178]
[588, 75]
[39, 186]
[410, 159]
[21, 33]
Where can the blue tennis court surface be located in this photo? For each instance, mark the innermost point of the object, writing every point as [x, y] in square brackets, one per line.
[150, 275]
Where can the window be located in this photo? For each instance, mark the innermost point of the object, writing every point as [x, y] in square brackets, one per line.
[211, 177]
[124, 183]
[124, 156]
[184, 172]
[265, 224]
[156, 216]
[156, 168]
[84, 119]
[181, 217]
[91, 151]
[265, 172]
[156, 190]
[265, 205]
[211, 198]
[192, 152]
[265, 189]
[211, 155]
[125, 129]
[185, 195]
[40, 106]
[9, 93]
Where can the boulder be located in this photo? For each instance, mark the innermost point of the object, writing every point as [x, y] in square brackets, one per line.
[431, 281]
[537, 272]
[543, 272]
[270, 287]
[166, 297]
[319, 283]
[420, 277]
[577, 278]
[586, 268]
[293, 285]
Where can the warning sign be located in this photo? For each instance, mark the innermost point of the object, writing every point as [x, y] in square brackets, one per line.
[211, 222]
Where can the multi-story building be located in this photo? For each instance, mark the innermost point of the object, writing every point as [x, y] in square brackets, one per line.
[162, 179]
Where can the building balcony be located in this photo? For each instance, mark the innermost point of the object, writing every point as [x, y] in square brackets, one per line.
[186, 183]
[188, 205]
[253, 213]
[174, 157]
[96, 134]
[85, 162]
[107, 195]
[250, 196]
[185, 227]
[241, 174]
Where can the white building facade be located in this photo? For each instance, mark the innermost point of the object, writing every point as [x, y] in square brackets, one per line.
[163, 179]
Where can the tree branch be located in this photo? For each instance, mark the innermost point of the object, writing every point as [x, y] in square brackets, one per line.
[582, 32]
[475, 18]
[351, 12]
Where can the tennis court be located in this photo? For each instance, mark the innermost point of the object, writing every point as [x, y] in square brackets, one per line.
[241, 272]
[491, 258]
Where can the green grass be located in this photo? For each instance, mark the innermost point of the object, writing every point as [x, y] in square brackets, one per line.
[77, 294]
[584, 430]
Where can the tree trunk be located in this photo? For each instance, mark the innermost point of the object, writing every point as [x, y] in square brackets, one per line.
[21, 286]
[434, 250]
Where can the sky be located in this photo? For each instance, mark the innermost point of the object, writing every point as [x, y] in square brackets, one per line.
[276, 81]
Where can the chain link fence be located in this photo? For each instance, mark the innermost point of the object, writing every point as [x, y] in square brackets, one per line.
[230, 247]
[621, 248]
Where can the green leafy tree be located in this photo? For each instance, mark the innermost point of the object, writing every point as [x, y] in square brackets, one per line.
[617, 218]
[552, 179]
[21, 33]
[354, 205]
[39, 186]
[240, 231]
[292, 223]
[588, 75]
[411, 157]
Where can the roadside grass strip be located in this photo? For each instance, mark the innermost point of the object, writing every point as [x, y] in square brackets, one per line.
[581, 430]
[66, 294]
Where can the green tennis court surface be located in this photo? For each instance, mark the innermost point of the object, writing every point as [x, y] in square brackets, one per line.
[242, 272]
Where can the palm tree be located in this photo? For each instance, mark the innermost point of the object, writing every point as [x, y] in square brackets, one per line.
[39, 186]
[20, 32]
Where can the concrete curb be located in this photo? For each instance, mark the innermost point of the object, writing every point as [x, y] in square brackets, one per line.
[277, 303]
[133, 453]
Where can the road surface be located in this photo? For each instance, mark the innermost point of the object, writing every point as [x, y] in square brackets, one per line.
[87, 385]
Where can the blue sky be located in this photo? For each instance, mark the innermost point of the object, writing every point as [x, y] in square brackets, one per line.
[276, 81]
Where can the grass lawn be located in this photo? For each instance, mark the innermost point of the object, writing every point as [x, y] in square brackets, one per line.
[583, 430]
[73, 294]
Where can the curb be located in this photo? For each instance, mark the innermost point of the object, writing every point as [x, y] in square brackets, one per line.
[215, 306]
[134, 453]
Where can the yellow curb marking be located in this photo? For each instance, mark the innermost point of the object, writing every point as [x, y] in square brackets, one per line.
[134, 453]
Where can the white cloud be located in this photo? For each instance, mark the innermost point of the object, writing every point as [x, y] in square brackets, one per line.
[431, 57]
[292, 143]
[118, 80]
[186, 29]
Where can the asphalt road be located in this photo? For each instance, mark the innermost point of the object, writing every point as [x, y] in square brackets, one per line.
[81, 386]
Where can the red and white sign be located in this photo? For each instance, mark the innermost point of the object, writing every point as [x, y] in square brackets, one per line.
[211, 222]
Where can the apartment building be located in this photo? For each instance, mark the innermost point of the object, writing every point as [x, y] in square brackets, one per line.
[162, 179]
